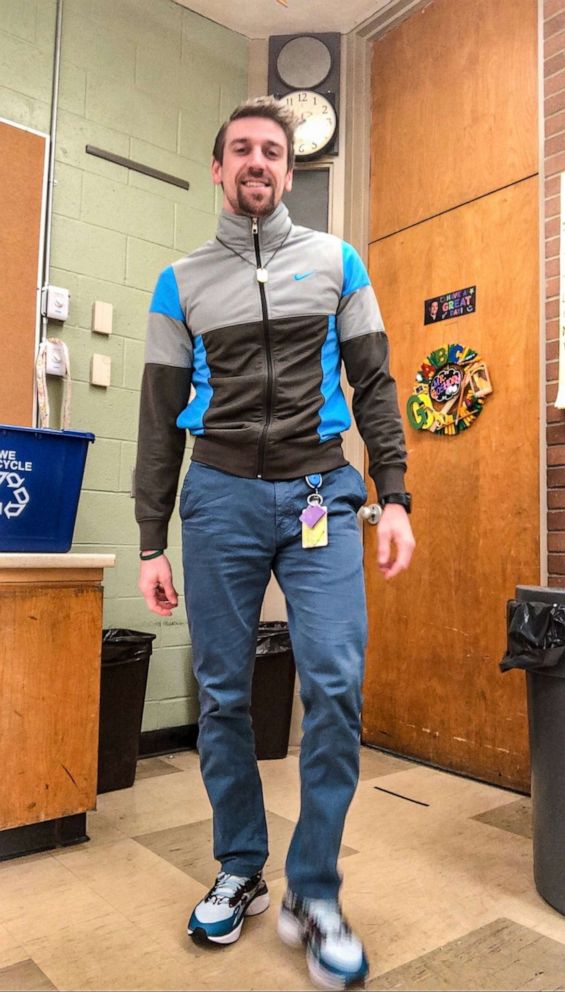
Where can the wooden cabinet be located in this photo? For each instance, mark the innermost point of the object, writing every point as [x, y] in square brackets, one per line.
[50, 649]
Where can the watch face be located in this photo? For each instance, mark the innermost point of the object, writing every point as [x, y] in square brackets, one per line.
[318, 122]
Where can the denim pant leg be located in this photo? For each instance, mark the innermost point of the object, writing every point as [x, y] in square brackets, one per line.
[325, 593]
[227, 552]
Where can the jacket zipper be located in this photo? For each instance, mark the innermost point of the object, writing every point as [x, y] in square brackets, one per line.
[270, 370]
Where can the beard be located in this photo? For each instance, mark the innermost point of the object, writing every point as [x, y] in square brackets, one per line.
[255, 202]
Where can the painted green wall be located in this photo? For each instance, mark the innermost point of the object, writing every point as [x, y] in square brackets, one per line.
[152, 81]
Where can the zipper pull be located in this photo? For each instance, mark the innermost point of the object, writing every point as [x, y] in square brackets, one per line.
[254, 226]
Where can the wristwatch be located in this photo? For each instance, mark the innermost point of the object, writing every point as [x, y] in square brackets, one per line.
[403, 499]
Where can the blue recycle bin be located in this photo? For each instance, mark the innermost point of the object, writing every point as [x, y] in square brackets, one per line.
[41, 475]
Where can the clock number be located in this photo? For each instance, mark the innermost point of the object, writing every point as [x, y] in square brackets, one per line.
[324, 108]
[302, 98]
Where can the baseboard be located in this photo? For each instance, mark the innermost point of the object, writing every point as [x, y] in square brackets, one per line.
[168, 740]
[44, 836]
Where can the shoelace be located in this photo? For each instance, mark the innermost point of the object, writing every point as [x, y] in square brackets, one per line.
[327, 915]
[225, 888]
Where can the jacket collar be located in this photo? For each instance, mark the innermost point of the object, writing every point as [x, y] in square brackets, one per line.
[236, 230]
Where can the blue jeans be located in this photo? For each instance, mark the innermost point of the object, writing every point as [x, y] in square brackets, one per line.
[235, 532]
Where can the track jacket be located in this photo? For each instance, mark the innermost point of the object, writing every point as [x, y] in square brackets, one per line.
[264, 360]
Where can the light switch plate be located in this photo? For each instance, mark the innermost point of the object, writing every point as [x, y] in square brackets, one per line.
[55, 359]
[102, 314]
[100, 370]
[55, 302]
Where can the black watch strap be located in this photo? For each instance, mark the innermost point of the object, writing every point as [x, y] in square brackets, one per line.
[403, 499]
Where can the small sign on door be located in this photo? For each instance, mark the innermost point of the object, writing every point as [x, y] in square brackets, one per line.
[455, 304]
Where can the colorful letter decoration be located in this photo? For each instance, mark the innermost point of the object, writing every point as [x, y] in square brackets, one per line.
[449, 391]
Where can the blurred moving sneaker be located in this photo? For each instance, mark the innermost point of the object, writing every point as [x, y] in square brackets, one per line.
[219, 916]
[335, 956]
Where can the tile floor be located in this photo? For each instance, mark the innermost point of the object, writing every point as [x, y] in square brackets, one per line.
[437, 878]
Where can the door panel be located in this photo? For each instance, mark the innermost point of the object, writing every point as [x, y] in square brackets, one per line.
[454, 108]
[433, 688]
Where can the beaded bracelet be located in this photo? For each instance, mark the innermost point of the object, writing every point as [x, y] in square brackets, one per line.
[148, 557]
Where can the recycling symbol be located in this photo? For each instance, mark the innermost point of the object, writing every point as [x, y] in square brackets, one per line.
[18, 496]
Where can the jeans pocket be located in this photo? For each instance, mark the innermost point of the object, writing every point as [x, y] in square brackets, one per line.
[202, 486]
[184, 494]
[358, 488]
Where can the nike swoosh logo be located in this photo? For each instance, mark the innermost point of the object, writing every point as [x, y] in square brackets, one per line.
[303, 275]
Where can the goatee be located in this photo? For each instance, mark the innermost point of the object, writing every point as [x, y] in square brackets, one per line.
[255, 205]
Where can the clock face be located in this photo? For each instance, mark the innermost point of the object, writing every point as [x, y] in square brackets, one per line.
[318, 122]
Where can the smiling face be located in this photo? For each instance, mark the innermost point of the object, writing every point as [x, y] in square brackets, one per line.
[254, 172]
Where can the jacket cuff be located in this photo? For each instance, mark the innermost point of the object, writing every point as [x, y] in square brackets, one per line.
[152, 535]
[389, 480]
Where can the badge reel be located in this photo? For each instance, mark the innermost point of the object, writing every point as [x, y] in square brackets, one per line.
[314, 517]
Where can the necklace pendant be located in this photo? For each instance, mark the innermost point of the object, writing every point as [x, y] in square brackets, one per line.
[262, 275]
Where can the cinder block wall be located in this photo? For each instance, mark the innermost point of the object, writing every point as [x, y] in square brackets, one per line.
[152, 81]
[554, 162]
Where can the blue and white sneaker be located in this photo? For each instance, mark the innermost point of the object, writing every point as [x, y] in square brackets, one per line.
[335, 956]
[219, 916]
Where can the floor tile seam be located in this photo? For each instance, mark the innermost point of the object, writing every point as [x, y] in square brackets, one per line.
[505, 830]
[101, 914]
[500, 919]
[45, 971]
[64, 854]
[80, 876]
[549, 914]
[38, 943]
[34, 944]
[171, 810]
[159, 862]
[152, 783]
[180, 875]
[30, 961]
[14, 964]
[54, 890]
[437, 947]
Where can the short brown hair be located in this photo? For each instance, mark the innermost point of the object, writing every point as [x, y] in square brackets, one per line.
[261, 106]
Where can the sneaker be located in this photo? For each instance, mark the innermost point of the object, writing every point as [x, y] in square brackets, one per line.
[335, 956]
[219, 916]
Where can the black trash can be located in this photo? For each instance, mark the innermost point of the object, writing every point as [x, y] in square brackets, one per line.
[272, 691]
[536, 643]
[125, 664]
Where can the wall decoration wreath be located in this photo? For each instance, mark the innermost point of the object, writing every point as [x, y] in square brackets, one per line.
[449, 391]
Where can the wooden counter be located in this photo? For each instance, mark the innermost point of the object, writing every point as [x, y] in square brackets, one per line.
[50, 649]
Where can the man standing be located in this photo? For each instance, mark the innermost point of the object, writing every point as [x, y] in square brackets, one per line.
[259, 321]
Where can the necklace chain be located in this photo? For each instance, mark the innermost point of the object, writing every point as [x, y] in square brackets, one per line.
[253, 264]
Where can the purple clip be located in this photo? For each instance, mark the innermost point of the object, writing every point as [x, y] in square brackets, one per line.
[312, 514]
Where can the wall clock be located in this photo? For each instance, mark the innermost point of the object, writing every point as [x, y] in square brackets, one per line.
[304, 68]
[315, 135]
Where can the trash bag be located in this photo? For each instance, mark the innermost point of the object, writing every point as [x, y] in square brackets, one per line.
[536, 636]
[273, 637]
[121, 645]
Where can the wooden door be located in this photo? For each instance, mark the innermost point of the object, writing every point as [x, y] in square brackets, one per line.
[23, 162]
[454, 108]
[433, 688]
